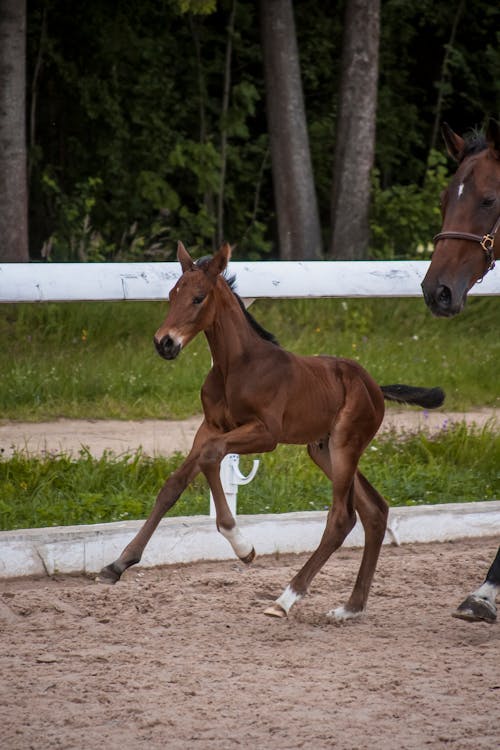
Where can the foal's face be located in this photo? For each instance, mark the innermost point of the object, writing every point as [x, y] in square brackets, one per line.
[191, 311]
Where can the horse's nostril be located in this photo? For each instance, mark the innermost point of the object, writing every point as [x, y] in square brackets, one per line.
[158, 345]
[167, 347]
[443, 296]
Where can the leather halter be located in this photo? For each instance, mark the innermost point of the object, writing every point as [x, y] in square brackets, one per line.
[486, 241]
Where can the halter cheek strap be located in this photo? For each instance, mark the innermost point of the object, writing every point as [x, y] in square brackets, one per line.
[487, 242]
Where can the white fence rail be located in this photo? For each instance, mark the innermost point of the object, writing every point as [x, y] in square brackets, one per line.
[65, 282]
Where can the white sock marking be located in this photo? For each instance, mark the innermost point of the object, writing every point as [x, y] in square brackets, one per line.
[487, 591]
[288, 598]
[341, 614]
[241, 546]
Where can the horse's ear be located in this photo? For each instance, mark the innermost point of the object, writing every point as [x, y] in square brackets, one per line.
[184, 258]
[454, 143]
[493, 137]
[220, 260]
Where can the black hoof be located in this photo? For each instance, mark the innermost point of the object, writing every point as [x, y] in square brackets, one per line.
[110, 574]
[249, 558]
[475, 609]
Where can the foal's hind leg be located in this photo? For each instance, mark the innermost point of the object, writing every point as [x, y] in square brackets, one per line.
[373, 511]
[339, 463]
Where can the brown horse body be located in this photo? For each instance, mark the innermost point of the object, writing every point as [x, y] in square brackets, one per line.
[258, 395]
[466, 249]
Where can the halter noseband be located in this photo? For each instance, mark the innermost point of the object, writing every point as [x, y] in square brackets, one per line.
[487, 242]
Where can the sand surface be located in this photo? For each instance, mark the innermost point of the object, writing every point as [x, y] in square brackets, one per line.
[182, 657]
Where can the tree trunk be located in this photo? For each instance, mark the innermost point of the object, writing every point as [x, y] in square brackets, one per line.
[294, 192]
[355, 136]
[13, 171]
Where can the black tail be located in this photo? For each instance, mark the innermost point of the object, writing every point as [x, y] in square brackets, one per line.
[429, 398]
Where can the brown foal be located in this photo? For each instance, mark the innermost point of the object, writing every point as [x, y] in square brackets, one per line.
[258, 395]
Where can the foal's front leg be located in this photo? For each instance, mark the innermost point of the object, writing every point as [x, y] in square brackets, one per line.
[225, 521]
[249, 438]
[167, 497]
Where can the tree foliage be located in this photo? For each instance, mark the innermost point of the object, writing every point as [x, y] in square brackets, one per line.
[129, 121]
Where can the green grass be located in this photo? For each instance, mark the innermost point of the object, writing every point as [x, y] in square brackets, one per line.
[458, 465]
[96, 360]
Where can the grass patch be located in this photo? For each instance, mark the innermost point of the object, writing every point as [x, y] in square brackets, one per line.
[457, 465]
[96, 359]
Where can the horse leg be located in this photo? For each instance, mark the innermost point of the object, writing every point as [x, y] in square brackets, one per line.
[481, 604]
[224, 519]
[249, 438]
[167, 497]
[339, 463]
[373, 512]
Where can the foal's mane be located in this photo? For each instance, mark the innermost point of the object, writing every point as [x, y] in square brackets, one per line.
[231, 282]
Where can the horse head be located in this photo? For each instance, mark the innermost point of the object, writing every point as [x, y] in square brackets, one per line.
[192, 307]
[467, 244]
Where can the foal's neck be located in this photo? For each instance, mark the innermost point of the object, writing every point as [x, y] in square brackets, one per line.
[230, 336]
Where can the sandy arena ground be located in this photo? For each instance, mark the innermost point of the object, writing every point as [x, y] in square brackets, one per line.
[182, 657]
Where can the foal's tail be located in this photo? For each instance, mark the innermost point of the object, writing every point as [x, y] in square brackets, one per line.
[429, 398]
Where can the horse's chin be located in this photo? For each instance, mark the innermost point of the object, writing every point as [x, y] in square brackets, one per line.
[172, 354]
[446, 312]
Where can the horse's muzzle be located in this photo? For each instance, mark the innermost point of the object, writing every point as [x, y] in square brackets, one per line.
[167, 347]
[441, 300]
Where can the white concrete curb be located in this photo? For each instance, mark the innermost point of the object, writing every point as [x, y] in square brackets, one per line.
[86, 549]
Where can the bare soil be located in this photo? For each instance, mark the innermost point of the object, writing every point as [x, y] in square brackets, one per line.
[164, 437]
[182, 657]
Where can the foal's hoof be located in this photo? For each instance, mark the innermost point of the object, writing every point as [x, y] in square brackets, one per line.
[475, 609]
[110, 574]
[341, 614]
[275, 610]
[249, 558]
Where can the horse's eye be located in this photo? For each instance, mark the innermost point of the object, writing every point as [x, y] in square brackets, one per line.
[198, 300]
[488, 202]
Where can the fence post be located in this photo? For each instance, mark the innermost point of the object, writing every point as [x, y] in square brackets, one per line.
[231, 477]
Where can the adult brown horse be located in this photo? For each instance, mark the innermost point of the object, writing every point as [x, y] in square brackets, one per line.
[465, 250]
[258, 395]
